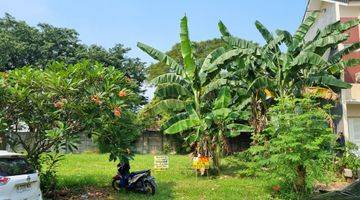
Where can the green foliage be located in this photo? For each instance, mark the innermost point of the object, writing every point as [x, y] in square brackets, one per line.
[349, 159]
[48, 177]
[182, 125]
[200, 51]
[304, 63]
[188, 95]
[186, 48]
[223, 29]
[3, 126]
[272, 72]
[116, 57]
[297, 146]
[23, 45]
[166, 148]
[60, 102]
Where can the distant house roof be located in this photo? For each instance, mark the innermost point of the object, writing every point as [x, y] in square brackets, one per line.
[340, 1]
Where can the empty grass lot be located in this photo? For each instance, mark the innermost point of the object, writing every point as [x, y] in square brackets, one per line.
[89, 176]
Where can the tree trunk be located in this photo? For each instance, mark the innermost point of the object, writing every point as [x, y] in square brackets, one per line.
[217, 158]
[2, 142]
[226, 146]
[258, 120]
[34, 160]
[301, 178]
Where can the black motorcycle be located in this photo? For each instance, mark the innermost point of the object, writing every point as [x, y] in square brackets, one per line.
[139, 181]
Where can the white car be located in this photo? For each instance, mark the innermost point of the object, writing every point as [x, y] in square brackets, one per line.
[18, 179]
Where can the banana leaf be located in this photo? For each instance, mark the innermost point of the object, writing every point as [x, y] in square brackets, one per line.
[309, 58]
[171, 90]
[237, 129]
[182, 125]
[167, 105]
[329, 80]
[162, 57]
[304, 29]
[338, 67]
[225, 58]
[220, 114]
[288, 39]
[264, 31]
[177, 117]
[214, 85]
[224, 98]
[338, 56]
[321, 45]
[186, 49]
[240, 43]
[223, 30]
[168, 78]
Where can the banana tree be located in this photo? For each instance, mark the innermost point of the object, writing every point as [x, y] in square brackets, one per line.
[226, 121]
[189, 90]
[305, 62]
[287, 65]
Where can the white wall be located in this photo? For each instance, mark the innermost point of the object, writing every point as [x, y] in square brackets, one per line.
[327, 16]
[349, 11]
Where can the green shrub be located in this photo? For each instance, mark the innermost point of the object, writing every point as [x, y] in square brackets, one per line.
[166, 148]
[48, 177]
[297, 147]
[349, 159]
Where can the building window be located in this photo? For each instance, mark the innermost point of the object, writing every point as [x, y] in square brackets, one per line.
[354, 130]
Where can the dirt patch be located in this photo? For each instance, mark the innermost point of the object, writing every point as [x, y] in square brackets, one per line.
[331, 187]
[86, 193]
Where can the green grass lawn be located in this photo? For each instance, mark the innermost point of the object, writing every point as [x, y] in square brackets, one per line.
[91, 173]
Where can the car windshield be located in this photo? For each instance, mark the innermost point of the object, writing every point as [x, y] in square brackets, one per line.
[13, 166]
[353, 188]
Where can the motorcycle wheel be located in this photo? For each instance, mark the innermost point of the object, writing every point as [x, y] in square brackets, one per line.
[149, 188]
[115, 185]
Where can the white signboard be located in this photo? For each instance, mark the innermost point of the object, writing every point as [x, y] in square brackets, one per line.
[161, 162]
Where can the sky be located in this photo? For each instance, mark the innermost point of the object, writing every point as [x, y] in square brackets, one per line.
[156, 22]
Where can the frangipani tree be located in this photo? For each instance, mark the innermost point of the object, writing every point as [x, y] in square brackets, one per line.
[190, 90]
[61, 102]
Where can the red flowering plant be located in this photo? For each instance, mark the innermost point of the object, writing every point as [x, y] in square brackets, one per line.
[84, 97]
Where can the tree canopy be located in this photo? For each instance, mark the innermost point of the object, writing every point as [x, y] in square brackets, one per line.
[58, 103]
[24, 45]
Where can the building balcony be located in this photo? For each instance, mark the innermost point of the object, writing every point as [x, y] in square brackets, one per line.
[352, 96]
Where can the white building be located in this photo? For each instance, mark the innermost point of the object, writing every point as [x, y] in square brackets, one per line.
[343, 10]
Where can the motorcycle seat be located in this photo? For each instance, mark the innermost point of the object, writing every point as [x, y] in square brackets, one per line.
[140, 172]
